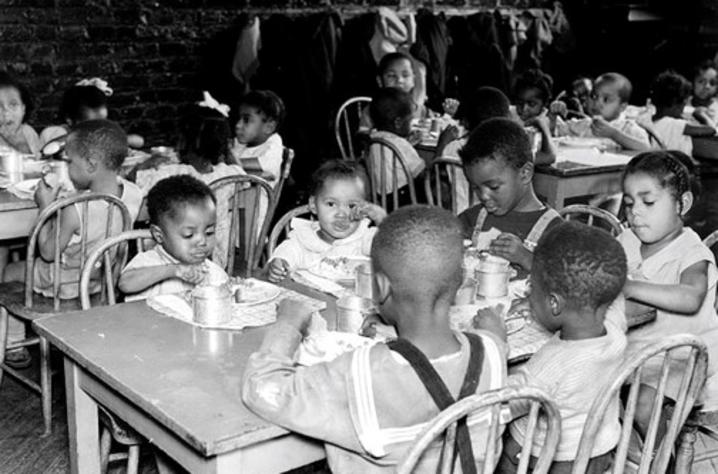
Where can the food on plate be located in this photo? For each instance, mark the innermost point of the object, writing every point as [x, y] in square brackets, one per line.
[338, 268]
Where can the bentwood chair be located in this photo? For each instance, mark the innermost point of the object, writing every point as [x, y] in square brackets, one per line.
[492, 403]
[691, 350]
[448, 194]
[593, 216]
[107, 261]
[384, 164]
[19, 300]
[245, 205]
[346, 125]
[282, 227]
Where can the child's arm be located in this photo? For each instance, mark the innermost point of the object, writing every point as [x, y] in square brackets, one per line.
[601, 128]
[699, 130]
[684, 298]
[511, 247]
[490, 319]
[277, 269]
[449, 134]
[366, 209]
[547, 153]
[135, 280]
[70, 222]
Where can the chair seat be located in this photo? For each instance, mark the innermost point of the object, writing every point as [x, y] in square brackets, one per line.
[12, 298]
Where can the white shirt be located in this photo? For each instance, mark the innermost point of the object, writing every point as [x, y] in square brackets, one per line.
[671, 132]
[268, 153]
[159, 256]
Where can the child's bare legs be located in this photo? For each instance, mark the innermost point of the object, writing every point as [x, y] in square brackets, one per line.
[17, 358]
[644, 408]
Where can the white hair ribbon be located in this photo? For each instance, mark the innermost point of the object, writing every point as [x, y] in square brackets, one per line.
[97, 82]
[211, 103]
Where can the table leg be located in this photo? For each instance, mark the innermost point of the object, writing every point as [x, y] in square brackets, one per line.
[82, 424]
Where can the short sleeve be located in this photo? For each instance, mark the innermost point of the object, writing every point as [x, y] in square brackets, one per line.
[367, 239]
[291, 252]
[142, 260]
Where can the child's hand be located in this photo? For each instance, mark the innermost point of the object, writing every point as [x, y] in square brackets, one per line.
[540, 121]
[450, 106]
[193, 274]
[601, 128]
[491, 320]
[449, 134]
[559, 108]
[414, 137]
[366, 209]
[45, 194]
[295, 313]
[278, 270]
[511, 247]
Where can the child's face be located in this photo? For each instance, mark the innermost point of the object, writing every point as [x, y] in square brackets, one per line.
[252, 128]
[189, 236]
[540, 302]
[333, 206]
[399, 74]
[529, 103]
[653, 212]
[12, 110]
[605, 101]
[705, 84]
[499, 186]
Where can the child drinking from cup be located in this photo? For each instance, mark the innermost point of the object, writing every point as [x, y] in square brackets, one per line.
[257, 146]
[510, 219]
[342, 225]
[416, 256]
[669, 269]
[705, 88]
[15, 107]
[669, 93]
[94, 152]
[183, 216]
[578, 272]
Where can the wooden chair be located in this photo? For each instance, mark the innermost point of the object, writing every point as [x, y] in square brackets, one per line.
[434, 184]
[711, 239]
[592, 214]
[19, 300]
[282, 227]
[630, 373]
[109, 259]
[386, 165]
[251, 204]
[493, 402]
[346, 124]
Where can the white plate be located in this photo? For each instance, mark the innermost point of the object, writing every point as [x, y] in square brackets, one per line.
[339, 269]
[255, 292]
[24, 189]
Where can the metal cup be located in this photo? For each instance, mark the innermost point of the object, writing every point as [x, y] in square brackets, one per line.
[212, 305]
[492, 284]
[351, 311]
[11, 164]
[364, 281]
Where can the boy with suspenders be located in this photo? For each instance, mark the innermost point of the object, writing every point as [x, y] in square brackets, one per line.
[370, 404]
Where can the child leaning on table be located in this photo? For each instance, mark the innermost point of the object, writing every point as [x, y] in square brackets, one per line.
[497, 162]
[94, 153]
[369, 405]
[257, 146]
[342, 229]
[182, 221]
[703, 103]
[669, 268]
[578, 272]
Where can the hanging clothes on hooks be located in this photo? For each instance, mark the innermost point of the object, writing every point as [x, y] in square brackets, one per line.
[432, 48]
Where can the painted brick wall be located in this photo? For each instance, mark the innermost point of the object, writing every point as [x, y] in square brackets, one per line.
[147, 50]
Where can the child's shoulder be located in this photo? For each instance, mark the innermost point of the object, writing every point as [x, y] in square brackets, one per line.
[148, 258]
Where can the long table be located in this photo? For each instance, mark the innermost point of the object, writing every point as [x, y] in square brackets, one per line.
[17, 216]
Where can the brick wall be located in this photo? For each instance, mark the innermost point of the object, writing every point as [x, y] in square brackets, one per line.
[148, 50]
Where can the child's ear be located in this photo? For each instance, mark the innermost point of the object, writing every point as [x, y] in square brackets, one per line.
[623, 106]
[556, 303]
[270, 126]
[313, 204]
[92, 164]
[526, 173]
[686, 203]
[382, 288]
[157, 233]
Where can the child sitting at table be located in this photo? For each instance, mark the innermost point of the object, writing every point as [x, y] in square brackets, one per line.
[369, 405]
[669, 93]
[669, 268]
[497, 162]
[15, 107]
[342, 225]
[533, 90]
[606, 104]
[391, 111]
[94, 152]
[257, 146]
[578, 272]
[703, 105]
[182, 221]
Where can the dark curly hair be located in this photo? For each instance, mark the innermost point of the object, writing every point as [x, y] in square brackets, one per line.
[497, 138]
[206, 134]
[170, 194]
[389, 104]
[674, 170]
[485, 103]
[9, 81]
[670, 88]
[267, 103]
[77, 98]
[336, 169]
[535, 79]
[585, 265]
[102, 140]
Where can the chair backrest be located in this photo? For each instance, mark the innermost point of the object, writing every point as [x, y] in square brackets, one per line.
[383, 168]
[282, 227]
[692, 380]
[346, 124]
[54, 212]
[435, 182]
[109, 259]
[593, 216]
[711, 239]
[493, 402]
[251, 204]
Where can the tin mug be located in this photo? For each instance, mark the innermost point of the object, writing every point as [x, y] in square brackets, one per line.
[11, 164]
[351, 312]
[211, 305]
[364, 281]
[492, 284]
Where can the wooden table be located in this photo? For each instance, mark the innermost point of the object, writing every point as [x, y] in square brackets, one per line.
[17, 216]
[176, 384]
